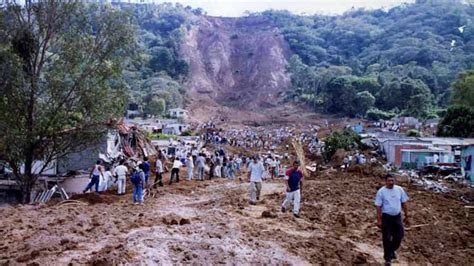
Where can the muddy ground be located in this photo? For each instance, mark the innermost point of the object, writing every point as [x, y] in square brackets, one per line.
[210, 222]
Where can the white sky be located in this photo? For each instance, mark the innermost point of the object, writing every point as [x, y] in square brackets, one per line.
[233, 8]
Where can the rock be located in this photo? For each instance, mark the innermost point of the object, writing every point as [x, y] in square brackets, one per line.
[360, 259]
[184, 221]
[342, 220]
[268, 214]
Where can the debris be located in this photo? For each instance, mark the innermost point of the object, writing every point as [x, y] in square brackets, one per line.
[269, 214]
[430, 185]
[184, 221]
[416, 226]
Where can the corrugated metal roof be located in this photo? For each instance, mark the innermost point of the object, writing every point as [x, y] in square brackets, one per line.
[450, 141]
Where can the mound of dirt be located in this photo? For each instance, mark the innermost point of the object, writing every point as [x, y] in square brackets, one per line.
[95, 198]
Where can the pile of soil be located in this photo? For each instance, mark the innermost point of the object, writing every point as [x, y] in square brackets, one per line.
[95, 198]
[212, 222]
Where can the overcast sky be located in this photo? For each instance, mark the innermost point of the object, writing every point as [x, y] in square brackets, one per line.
[233, 8]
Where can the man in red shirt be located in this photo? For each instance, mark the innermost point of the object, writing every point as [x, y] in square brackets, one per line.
[293, 178]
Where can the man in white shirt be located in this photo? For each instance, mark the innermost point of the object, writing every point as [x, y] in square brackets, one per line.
[256, 171]
[159, 172]
[390, 200]
[121, 173]
[190, 166]
[175, 170]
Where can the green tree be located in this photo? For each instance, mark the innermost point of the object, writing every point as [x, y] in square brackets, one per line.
[463, 89]
[340, 96]
[155, 106]
[364, 101]
[60, 80]
[346, 139]
[162, 59]
[458, 122]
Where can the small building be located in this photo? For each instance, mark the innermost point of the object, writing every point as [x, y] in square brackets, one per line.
[407, 121]
[133, 113]
[432, 123]
[359, 128]
[467, 162]
[418, 158]
[178, 113]
[175, 129]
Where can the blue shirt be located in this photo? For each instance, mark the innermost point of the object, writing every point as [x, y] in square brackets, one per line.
[146, 167]
[391, 199]
[294, 178]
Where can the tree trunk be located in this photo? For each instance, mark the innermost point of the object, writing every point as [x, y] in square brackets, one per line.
[29, 178]
[26, 192]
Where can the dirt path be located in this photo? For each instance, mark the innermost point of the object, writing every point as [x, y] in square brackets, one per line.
[211, 222]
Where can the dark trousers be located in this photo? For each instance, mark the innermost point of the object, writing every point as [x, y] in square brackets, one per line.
[211, 172]
[94, 181]
[174, 173]
[158, 180]
[392, 234]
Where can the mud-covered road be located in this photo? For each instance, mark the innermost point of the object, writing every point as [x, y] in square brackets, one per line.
[211, 222]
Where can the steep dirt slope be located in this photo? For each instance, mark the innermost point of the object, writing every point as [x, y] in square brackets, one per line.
[238, 63]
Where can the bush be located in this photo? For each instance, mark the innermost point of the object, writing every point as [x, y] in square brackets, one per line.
[187, 133]
[376, 114]
[413, 133]
[346, 139]
[161, 136]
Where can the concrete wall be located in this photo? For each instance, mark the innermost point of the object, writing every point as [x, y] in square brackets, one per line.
[398, 154]
[469, 150]
[82, 160]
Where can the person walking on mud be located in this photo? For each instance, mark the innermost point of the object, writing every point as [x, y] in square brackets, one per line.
[256, 171]
[389, 201]
[293, 178]
[97, 171]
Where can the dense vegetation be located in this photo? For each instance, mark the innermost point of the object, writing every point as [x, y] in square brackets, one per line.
[379, 63]
[156, 76]
[459, 119]
[374, 64]
[61, 81]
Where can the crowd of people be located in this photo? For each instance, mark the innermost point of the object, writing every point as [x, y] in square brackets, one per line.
[201, 164]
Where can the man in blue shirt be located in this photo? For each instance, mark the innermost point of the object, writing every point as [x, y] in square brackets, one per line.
[146, 169]
[390, 200]
[293, 179]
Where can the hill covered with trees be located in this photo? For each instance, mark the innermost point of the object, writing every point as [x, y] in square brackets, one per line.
[364, 63]
[379, 63]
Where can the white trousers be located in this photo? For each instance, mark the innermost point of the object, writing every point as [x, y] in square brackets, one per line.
[255, 188]
[294, 196]
[121, 184]
[190, 173]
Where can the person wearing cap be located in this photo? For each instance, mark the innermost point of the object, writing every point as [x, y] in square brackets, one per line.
[293, 178]
[256, 171]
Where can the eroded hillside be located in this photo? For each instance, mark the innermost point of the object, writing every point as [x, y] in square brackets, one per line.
[239, 63]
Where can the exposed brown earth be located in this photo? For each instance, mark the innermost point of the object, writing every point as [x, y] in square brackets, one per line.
[236, 65]
[211, 222]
